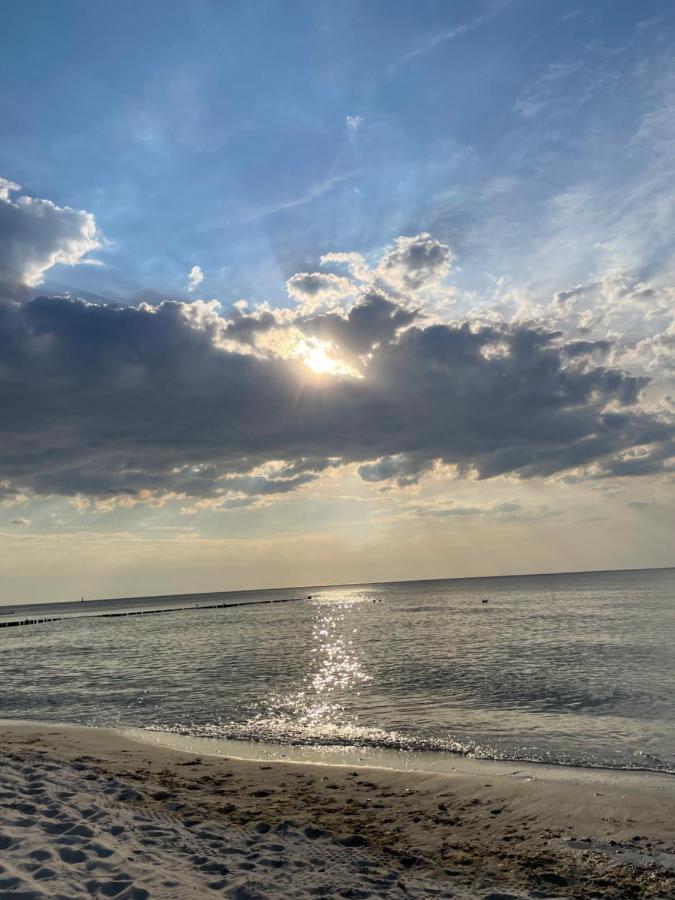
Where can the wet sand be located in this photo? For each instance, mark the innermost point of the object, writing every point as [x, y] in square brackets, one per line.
[92, 813]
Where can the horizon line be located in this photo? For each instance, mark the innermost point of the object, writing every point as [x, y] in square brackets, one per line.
[341, 585]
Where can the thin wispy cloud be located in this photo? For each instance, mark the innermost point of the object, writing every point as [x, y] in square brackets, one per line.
[310, 195]
[431, 43]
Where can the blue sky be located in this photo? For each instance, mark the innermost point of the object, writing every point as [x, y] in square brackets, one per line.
[219, 135]
[521, 152]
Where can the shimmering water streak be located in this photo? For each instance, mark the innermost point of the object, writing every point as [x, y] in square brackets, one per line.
[574, 669]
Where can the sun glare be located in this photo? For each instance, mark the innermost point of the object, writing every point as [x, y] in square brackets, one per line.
[317, 356]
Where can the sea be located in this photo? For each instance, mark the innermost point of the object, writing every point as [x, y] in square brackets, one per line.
[566, 669]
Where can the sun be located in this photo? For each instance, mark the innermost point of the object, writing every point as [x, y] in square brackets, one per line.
[318, 360]
[317, 356]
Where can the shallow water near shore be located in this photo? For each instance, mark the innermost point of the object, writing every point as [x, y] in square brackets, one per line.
[566, 669]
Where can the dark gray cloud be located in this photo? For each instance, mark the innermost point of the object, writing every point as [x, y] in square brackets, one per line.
[599, 349]
[110, 401]
[244, 328]
[659, 458]
[372, 320]
[404, 470]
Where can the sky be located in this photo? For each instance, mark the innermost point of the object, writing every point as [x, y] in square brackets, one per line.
[316, 292]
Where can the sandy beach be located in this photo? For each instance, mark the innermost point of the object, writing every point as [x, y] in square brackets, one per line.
[92, 813]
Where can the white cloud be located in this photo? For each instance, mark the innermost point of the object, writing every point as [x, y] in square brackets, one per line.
[353, 262]
[195, 278]
[6, 188]
[37, 234]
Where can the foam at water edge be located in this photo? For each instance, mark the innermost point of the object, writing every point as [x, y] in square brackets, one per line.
[278, 738]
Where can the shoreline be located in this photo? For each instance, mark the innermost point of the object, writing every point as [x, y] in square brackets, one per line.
[427, 761]
[355, 830]
[424, 762]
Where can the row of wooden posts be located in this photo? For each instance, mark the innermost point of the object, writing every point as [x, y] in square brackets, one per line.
[147, 612]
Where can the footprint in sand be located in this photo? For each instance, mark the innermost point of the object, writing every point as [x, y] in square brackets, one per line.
[313, 833]
[72, 857]
[68, 829]
[100, 850]
[272, 862]
[43, 873]
[26, 808]
[111, 888]
[130, 795]
[23, 823]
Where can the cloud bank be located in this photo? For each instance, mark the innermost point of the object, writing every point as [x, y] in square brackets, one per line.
[141, 403]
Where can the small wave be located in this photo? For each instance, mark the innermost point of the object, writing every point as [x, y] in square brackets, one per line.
[283, 731]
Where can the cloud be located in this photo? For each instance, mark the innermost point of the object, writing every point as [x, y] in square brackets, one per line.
[431, 42]
[629, 321]
[313, 289]
[412, 263]
[353, 262]
[403, 470]
[415, 262]
[373, 319]
[654, 354]
[21, 522]
[138, 403]
[244, 327]
[195, 278]
[506, 511]
[353, 123]
[127, 404]
[36, 235]
[6, 188]
[314, 192]
[10, 495]
[618, 299]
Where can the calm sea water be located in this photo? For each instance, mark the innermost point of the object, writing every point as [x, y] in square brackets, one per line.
[571, 669]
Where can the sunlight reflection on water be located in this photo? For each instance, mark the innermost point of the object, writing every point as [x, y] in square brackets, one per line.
[334, 675]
